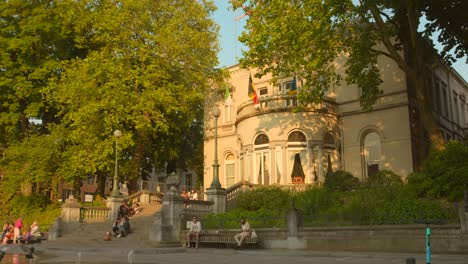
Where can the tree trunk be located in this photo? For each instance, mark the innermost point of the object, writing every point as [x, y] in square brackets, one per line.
[419, 58]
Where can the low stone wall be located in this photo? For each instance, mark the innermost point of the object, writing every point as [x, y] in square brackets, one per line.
[384, 238]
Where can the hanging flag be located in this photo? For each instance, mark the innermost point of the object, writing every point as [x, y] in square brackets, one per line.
[227, 97]
[252, 92]
[293, 87]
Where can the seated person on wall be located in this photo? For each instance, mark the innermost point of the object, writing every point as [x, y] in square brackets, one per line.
[35, 232]
[194, 231]
[184, 194]
[245, 232]
[8, 230]
[193, 195]
[5, 229]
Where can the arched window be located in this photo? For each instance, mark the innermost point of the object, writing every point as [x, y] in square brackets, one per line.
[328, 139]
[261, 139]
[296, 136]
[262, 160]
[372, 154]
[229, 170]
[297, 158]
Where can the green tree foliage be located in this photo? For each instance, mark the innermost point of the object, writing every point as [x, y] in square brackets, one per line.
[306, 38]
[444, 173]
[341, 181]
[31, 208]
[73, 71]
[34, 161]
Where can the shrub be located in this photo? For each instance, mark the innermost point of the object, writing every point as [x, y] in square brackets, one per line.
[269, 198]
[341, 181]
[384, 178]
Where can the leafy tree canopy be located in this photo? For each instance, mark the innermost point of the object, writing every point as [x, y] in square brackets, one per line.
[306, 38]
[90, 67]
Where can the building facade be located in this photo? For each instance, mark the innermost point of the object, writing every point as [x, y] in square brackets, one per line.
[275, 142]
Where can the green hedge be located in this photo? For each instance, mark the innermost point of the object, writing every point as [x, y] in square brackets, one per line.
[31, 208]
[382, 199]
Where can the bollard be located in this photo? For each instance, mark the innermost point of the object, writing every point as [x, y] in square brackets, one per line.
[428, 244]
[411, 260]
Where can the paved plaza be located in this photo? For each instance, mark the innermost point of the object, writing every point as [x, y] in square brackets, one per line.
[226, 256]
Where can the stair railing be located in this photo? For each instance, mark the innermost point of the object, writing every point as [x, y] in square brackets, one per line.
[94, 214]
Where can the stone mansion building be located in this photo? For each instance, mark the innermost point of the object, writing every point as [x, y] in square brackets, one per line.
[273, 142]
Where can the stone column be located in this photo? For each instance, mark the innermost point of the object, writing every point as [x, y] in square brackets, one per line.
[114, 203]
[218, 197]
[70, 210]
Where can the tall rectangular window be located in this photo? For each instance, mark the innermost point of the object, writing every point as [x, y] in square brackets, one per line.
[445, 109]
[229, 170]
[437, 97]
[227, 113]
[455, 108]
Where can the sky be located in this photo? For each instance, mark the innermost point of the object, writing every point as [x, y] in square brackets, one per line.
[231, 48]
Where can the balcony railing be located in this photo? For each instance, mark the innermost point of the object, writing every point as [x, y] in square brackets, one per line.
[196, 207]
[277, 103]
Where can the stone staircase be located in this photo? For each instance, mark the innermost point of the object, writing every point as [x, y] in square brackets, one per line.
[91, 234]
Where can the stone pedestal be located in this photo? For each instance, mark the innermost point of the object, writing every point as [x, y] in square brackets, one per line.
[113, 203]
[70, 211]
[168, 222]
[218, 197]
[293, 222]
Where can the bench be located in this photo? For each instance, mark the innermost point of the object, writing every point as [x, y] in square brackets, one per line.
[219, 239]
[32, 240]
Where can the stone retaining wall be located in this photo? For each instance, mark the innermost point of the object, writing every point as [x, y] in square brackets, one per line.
[384, 238]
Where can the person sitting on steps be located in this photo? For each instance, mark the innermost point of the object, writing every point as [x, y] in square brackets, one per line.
[115, 226]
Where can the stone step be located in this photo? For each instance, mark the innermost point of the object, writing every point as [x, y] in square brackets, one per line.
[92, 233]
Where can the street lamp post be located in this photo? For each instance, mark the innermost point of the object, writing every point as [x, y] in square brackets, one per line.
[115, 187]
[215, 184]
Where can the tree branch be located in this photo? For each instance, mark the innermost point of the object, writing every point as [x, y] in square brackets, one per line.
[387, 42]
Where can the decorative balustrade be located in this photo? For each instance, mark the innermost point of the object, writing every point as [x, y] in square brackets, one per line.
[281, 102]
[234, 191]
[198, 207]
[94, 214]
